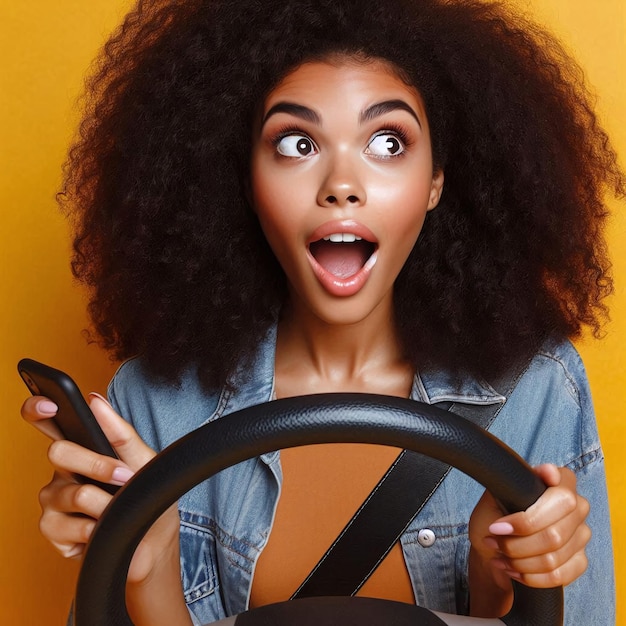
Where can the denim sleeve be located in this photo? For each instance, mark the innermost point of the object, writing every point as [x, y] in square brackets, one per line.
[590, 599]
[554, 400]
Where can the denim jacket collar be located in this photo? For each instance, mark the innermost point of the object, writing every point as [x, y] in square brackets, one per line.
[430, 386]
[255, 383]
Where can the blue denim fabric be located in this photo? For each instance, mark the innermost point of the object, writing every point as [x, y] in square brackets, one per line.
[225, 521]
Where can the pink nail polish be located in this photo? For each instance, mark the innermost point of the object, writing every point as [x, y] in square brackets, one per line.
[46, 407]
[501, 528]
[121, 475]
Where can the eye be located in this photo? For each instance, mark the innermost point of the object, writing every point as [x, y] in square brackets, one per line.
[295, 146]
[385, 145]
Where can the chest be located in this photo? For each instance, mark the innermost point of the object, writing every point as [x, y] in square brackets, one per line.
[323, 486]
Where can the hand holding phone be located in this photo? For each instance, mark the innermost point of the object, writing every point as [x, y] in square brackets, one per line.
[69, 511]
[74, 417]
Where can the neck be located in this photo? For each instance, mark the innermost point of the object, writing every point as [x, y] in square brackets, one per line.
[314, 356]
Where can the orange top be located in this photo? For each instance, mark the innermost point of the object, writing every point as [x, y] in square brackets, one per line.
[323, 485]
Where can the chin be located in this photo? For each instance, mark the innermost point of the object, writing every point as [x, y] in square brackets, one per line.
[342, 312]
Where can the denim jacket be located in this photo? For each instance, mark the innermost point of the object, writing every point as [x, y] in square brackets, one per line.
[226, 520]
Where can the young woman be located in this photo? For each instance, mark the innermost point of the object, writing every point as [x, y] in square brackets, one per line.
[303, 196]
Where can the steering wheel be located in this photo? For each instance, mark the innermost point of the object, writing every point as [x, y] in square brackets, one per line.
[289, 422]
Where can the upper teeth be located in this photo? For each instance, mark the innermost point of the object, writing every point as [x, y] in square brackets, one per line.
[342, 238]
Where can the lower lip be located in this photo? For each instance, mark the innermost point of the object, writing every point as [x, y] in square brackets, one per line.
[343, 287]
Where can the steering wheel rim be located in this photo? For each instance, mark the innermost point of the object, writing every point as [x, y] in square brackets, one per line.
[291, 422]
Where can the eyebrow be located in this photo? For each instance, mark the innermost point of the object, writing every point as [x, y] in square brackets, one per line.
[372, 112]
[380, 108]
[304, 113]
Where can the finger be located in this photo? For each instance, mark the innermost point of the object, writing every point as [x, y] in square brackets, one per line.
[546, 540]
[70, 458]
[67, 521]
[39, 411]
[123, 437]
[69, 513]
[549, 540]
[553, 560]
[560, 576]
[556, 503]
[68, 534]
[74, 498]
[551, 474]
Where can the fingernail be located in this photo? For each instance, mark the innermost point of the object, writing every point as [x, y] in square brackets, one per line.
[121, 475]
[512, 574]
[77, 550]
[501, 528]
[46, 407]
[500, 564]
[93, 394]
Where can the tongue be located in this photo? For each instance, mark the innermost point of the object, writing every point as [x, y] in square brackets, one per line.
[341, 259]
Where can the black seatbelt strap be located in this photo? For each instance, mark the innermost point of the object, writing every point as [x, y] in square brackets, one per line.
[388, 510]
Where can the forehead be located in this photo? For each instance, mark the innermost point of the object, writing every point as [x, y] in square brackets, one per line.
[334, 82]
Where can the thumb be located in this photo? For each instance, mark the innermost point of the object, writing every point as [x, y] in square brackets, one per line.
[515, 523]
[123, 437]
[549, 473]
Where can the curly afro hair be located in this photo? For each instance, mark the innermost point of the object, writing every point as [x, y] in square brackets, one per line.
[156, 183]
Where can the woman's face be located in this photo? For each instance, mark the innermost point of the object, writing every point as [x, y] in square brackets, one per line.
[342, 178]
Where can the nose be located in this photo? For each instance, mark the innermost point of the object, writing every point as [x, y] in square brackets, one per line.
[342, 185]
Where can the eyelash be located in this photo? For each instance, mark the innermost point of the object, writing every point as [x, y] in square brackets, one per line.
[398, 130]
[285, 131]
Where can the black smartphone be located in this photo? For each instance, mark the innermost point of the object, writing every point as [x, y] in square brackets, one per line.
[74, 417]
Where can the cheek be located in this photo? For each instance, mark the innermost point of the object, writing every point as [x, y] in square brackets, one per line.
[403, 202]
[273, 190]
[272, 227]
[402, 215]
[266, 198]
[280, 203]
[279, 229]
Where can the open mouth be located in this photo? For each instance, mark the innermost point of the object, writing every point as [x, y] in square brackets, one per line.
[342, 254]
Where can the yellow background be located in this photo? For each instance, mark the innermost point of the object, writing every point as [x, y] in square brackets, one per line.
[45, 48]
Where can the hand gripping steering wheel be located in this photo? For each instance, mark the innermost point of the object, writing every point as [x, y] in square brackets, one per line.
[324, 418]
